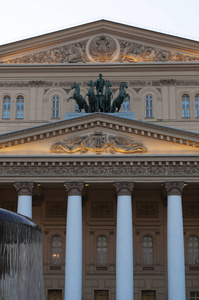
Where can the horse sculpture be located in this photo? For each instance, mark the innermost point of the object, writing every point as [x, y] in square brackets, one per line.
[105, 100]
[120, 98]
[79, 99]
[92, 98]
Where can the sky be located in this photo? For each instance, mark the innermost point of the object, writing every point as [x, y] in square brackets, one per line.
[21, 19]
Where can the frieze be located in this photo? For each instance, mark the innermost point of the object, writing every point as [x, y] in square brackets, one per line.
[146, 209]
[101, 171]
[191, 210]
[56, 209]
[66, 85]
[101, 209]
[102, 48]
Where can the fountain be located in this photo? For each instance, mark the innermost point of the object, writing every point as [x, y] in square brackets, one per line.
[21, 275]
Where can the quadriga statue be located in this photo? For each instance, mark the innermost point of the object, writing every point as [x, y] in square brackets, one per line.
[101, 100]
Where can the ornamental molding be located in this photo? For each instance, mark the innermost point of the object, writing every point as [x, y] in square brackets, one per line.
[24, 188]
[95, 121]
[101, 209]
[147, 209]
[102, 48]
[98, 142]
[191, 209]
[137, 85]
[56, 209]
[101, 169]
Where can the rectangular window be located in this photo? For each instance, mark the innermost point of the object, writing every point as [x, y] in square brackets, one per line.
[101, 295]
[194, 295]
[54, 294]
[55, 109]
[148, 295]
[197, 108]
[6, 107]
[185, 109]
[149, 108]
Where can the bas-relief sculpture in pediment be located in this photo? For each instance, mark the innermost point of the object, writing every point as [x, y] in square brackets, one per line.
[98, 142]
[103, 48]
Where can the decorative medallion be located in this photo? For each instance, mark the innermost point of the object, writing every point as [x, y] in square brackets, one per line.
[98, 142]
[102, 48]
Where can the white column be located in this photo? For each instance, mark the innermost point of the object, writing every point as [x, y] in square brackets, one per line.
[175, 242]
[73, 261]
[124, 242]
[25, 192]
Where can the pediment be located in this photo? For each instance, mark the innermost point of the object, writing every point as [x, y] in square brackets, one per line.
[100, 42]
[99, 134]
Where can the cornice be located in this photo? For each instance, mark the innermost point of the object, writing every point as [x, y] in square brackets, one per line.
[106, 68]
[102, 121]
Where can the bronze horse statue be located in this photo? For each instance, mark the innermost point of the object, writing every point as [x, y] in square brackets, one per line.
[120, 98]
[79, 99]
[92, 98]
[105, 100]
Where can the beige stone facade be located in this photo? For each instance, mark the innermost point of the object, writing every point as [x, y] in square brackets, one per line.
[163, 140]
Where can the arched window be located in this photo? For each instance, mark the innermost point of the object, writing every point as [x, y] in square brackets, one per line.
[55, 107]
[185, 106]
[193, 250]
[149, 106]
[126, 105]
[147, 250]
[20, 107]
[197, 105]
[56, 249]
[6, 107]
[101, 250]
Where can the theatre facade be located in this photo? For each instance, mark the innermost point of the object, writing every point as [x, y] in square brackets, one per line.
[115, 193]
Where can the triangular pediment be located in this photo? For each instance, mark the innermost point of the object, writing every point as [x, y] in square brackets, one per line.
[100, 42]
[99, 134]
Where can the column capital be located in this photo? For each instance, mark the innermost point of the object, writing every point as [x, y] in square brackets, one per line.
[24, 188]
[74, 188]
[174, 188]
[124, 188]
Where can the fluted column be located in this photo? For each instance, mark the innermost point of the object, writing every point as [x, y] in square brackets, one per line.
[124, 242]
[25, 192]
[175, 241]
[73, 261]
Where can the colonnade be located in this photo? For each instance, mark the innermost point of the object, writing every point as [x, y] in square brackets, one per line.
[124, 243]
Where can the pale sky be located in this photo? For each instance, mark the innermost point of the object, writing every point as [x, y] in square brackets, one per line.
[21, 19]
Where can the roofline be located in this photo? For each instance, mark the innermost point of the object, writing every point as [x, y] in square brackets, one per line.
[69, 34]
[95, 22]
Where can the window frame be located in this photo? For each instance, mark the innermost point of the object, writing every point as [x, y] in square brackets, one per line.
[196, 106]
[20, 100]
[6, 111]
[186, 112]
[56, 255]
[55, 110]
[103, 261]
[148, 104]
[193, 251]
[147, 257]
